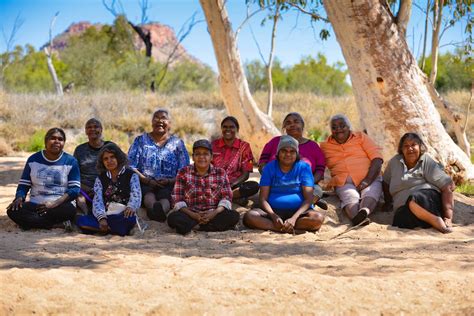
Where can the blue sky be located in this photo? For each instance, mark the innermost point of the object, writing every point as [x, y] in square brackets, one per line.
[295, 37]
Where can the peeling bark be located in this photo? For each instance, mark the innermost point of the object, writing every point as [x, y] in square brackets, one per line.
[388, 85]
[256, 127]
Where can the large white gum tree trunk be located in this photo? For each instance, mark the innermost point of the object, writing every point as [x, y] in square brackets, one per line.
[388, 85]
[255, 126]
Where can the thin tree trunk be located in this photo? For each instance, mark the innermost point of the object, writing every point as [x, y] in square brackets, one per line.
[388, 84]
[256, 127]
[49, 59]
[437, 19]
[403, 16]
[425, 35]
[453, 119]
[270, 61]
[52, 71]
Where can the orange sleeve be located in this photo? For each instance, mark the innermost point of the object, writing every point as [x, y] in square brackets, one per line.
[369, 146]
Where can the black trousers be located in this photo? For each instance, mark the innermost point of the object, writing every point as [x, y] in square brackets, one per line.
[183, 224]
[428, 199]
[27, 216]
[247, 188]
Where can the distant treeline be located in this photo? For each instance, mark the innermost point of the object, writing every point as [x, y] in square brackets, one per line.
[106, 59]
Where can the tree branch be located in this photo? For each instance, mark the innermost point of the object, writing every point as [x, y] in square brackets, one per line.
[469, 106]
[247, 18]
[453, 118]
[312, 14]
[403, 16]
[112, 7]
[182, 34]
[9, 40]
[144, 7]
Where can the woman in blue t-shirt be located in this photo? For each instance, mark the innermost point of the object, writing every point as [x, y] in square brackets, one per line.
[286, 194]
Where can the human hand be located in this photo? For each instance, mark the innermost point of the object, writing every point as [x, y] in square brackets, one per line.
[277, 221]
[363, 185]
[161, 183]
[448, 222]
[289, 225]
[16, 204]
[42, 208]
[208, 216]
[129, 212]
[104, 226]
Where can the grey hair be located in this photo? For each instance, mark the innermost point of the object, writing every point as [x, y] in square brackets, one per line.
[168, 114]
[340, 117]
[293, 114]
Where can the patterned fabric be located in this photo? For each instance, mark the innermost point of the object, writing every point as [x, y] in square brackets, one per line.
[310, 153]
[112, 194]
[202, 193]
[49, 179]
[286, 188]
[426, 174]
[156, 161]
[352, 158]
[86, 156]
[234, 159]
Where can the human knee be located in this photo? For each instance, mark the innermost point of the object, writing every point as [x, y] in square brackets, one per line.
[316, 218]
[149, 199]
[235, 217]
[249, 218]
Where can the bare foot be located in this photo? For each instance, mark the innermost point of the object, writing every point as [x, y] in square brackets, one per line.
[440, 225]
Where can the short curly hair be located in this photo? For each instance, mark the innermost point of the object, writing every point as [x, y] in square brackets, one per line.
[122, 159]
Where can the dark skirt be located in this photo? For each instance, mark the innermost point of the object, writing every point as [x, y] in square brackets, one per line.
[428, 199]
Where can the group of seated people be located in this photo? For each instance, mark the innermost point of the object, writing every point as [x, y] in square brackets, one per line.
[158, 176]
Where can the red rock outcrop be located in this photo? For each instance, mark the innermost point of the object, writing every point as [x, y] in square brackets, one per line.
[163, 39]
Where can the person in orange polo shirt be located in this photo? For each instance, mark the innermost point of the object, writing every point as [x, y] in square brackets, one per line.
[355, 163]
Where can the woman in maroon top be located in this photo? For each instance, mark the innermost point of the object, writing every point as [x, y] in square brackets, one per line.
[235, 157]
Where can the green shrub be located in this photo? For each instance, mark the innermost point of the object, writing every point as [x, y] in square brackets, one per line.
[35, 142]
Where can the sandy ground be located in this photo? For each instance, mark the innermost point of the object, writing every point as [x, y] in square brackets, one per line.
[376, 269]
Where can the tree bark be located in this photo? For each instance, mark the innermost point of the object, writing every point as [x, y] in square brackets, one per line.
[437, 19]
[270, 61]
[52, 71]
[49, 59]
[425, 34]
[403, 16]
[388, 84]
[255, 126]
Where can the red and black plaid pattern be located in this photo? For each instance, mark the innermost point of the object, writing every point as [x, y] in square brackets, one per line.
[201, 193]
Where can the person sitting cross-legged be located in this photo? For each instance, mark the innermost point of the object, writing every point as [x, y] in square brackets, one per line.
[86, 155]
[286, 194]
[117, 195]
[235, 157]
[202, 195]
[52, 178]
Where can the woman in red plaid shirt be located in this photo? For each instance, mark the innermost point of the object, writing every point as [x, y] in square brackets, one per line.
[202, 195]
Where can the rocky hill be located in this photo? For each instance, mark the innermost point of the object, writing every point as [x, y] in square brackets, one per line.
[163, 39]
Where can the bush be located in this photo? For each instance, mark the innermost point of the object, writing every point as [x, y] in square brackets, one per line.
[35, 143]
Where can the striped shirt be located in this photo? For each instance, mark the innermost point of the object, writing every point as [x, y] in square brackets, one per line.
[48, 180]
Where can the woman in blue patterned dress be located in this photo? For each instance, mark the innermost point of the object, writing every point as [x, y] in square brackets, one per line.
[156, 157]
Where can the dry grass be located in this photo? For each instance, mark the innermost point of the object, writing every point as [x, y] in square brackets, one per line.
[127, 114]
[460, 100]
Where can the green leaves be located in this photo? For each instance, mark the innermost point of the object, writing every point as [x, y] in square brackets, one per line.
[309, 75]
